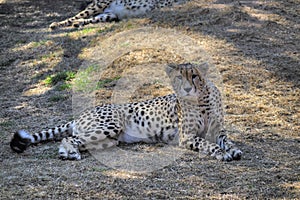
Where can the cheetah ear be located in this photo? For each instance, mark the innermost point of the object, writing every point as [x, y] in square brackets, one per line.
[170, 68]
[202, 69]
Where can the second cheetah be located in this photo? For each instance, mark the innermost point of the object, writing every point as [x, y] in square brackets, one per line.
[112, 10]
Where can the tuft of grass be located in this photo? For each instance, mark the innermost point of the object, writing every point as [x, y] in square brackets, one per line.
[57, 98]
[98, 169]
[106, 29]
[61, 76]
[39, 43]
[106, 82]
[129, 25]
[88, 30]
[101, 31]
[7, 124]
[87, 80]
[84, 79]
[64, 86]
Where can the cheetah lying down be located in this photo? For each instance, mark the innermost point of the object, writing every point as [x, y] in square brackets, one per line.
[112, 10]
[192, 117]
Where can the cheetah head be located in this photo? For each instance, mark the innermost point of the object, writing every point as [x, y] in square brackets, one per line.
[187, 79]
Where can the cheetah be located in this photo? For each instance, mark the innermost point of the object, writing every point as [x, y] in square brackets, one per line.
[192, 118]
[112, 10]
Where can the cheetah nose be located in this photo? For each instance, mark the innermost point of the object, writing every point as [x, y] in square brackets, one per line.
[187, 89]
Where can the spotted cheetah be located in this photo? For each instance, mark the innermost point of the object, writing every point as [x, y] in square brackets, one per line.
[112, 10]
[192, 118]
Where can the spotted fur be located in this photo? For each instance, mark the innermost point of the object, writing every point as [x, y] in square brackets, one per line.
[112, 10]
[192, 118]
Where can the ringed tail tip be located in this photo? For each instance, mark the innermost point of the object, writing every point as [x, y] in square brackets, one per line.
[20, 141]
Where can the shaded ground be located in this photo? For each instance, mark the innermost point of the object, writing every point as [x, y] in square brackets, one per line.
[254, 44]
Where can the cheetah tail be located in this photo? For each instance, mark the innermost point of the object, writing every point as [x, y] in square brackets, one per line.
[22, 139]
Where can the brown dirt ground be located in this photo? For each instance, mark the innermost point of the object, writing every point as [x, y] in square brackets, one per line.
[255, 46]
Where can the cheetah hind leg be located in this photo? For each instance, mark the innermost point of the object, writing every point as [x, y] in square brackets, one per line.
[105, 17]
[86, 13]
[71, 147]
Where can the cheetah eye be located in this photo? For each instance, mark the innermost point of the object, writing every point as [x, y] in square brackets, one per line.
[179, 77]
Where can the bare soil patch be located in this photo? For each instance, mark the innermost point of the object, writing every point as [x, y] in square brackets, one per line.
[255, 46]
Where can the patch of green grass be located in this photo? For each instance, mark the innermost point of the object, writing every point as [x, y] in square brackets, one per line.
[84, 81]
[64, 86]
[125, 44]
[7, 124]
[107, 28]
[87, 80]
[101, 31]
[106, 82]
[51, 55]
[88, 30]
[39, 43]
[129, 25]
[61, 76]
[57, 98]
[98, 169]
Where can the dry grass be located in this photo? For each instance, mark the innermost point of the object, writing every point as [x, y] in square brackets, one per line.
[254, 45]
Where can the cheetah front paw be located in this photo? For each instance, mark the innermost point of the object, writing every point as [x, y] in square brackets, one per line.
[222, 156]
[68, 151]
[236, 154]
